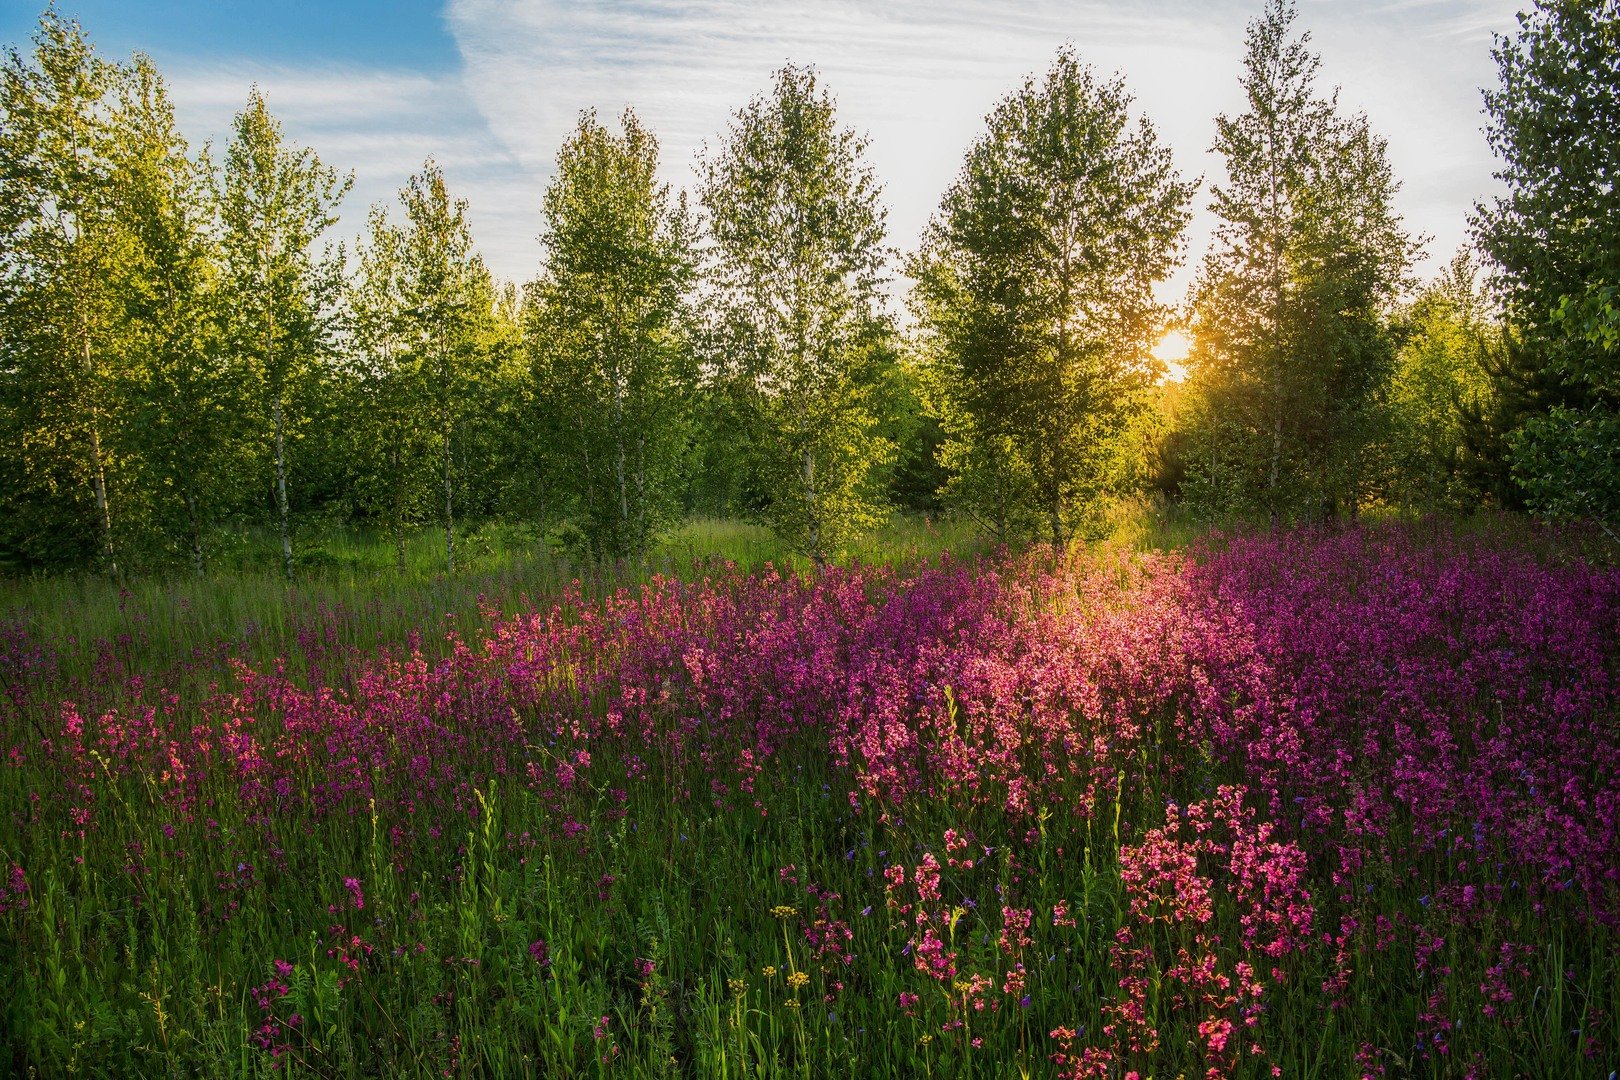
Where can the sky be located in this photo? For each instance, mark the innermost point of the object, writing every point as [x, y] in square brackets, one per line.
[490, 88]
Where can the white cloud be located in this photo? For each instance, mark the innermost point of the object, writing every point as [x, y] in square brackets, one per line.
[382, 125]
[916, 76]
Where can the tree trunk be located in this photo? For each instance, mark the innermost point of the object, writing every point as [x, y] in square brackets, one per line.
[641, 494]
[449, 511]
[196, 532]
[398, 509]
[817, 556]
[623, 545]
[281, 490]
[98, 468]
[281, 442]
[1276, 465]
[449, 496]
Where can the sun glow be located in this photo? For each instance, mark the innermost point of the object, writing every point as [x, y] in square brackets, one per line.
[1172, 351]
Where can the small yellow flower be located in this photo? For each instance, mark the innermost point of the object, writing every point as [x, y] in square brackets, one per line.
[736, 986]
[792, 1003]
[926, 1039]
[768, 971]
[798, 979]
[784, 911]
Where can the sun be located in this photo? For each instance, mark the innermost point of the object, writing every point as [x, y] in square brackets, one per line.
[1172, 351]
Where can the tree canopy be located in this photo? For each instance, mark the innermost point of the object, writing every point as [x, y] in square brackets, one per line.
[1035, 291]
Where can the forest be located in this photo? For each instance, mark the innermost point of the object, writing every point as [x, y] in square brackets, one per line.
[191, 359]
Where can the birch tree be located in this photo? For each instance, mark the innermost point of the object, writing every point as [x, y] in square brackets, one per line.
[611, 327]
[182, 392]
[1554, 237]
[1035, 290]
[449, 306]
[396, 427]
[796, 256]
[60, 254]
[276, 201]
[1290, 306]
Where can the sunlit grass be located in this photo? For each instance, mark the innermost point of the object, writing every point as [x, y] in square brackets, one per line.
[726, 826]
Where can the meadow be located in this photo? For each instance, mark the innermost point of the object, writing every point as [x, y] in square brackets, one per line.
[1319, 803]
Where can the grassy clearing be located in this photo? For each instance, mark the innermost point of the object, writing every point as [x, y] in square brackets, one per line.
[349, 591]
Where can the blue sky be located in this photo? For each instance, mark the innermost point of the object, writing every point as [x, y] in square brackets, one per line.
[491, 87]
[405, 33]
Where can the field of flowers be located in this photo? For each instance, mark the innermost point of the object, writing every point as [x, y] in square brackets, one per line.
[1319, 804]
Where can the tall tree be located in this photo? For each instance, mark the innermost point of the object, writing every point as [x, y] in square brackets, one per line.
[1288, 311]
[275, 203]
[184, 392]
[1450, 339]
[1555, 239]
[59, 308]
[796, 250]
[394, 429]
[612, 320]
[1035, 284]
[449, 304]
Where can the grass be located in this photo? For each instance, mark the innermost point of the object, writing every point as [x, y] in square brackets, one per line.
[348, 589]
[617, 842]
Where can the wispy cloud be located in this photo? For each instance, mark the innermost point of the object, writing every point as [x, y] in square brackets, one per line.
[916, 76]
[382, 125]
[919, 77]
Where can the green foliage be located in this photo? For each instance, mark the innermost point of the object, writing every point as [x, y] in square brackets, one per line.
[1034, 289]
[799, 333]
[61, 253]
[1290, 352]
[179, 405]
[609, 335]
[1555, 237]
[1440, 387]
[915, 475]
[447, 306]
[393, 450]
[275, 201]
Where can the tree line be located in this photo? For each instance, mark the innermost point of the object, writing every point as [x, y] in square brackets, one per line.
[185, 352]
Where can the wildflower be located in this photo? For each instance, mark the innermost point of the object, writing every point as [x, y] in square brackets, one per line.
[784, 911]
[769, 971]
[541, 953]
[798, 979]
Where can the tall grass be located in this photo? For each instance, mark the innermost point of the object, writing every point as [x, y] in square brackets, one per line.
[349, 590]
[1334, 804]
